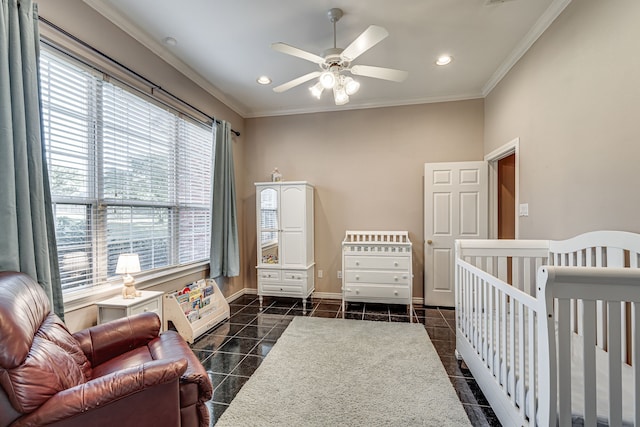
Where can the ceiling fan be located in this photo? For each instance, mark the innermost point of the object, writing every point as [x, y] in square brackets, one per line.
[335, 61]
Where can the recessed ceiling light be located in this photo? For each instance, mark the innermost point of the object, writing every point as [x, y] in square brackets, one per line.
[444, 60]
[170, 41]
[263, 80]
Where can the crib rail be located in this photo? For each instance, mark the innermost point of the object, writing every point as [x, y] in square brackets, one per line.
[614, 289]
[522, 307]
[512, 261]
[497, 332]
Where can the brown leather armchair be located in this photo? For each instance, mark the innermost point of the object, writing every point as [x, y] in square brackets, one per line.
[121, 373]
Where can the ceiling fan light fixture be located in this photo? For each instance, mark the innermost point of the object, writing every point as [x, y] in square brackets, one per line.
[351, 86]
[316, 90]
[340, 95]
[328, 80]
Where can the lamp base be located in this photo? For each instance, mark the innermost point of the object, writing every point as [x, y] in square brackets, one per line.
[129, 289]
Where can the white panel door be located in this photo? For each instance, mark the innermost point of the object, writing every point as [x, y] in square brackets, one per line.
[455, 207]
[292, 221]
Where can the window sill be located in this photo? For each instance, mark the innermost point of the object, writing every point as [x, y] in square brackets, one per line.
[75, 300]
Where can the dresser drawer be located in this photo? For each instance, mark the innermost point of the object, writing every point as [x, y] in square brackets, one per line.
[152, 306]
[376, 262]
[368, 292]
[382, 277]
[295, 276]
[281, 289]
[268, 275]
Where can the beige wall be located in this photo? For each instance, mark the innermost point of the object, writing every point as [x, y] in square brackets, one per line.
[366, 166]
[75, 17]
[574, 102]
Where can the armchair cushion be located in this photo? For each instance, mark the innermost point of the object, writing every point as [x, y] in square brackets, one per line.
[103, 342]
[105, 390]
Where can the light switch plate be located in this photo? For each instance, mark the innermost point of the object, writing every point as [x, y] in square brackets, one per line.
[524, 209]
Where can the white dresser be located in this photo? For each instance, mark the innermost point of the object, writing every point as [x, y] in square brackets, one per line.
[285, 264]
[377, 267]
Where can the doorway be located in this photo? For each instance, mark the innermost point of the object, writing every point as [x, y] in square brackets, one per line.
[507, 197]
[504, 191]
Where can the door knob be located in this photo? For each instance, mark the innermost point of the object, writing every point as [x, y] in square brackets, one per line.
[429, 241]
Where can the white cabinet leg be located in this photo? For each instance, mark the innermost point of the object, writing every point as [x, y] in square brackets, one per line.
[260, 297]
[304, 306]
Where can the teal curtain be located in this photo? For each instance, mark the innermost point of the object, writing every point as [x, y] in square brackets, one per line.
[27, 233]
[225, 253]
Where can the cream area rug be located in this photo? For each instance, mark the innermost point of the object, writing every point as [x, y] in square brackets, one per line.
[337, 372]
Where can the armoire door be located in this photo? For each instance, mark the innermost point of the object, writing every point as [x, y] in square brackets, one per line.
[292, 224]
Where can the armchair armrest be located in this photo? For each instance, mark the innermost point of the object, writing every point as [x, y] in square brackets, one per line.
[103, 342]
[114, 388]
[170, 346]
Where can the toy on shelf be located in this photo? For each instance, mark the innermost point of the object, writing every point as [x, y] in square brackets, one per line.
[195, 309]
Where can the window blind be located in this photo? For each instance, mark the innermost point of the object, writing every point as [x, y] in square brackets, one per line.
[127, 175]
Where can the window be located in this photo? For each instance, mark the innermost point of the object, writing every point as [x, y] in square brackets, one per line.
[127, 175]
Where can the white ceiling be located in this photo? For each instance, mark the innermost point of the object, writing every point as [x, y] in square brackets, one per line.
[224, 45]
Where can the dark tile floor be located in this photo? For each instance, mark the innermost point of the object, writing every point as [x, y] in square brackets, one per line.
[233, 350]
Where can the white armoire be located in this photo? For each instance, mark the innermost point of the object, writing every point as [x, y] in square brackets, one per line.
[284, 213]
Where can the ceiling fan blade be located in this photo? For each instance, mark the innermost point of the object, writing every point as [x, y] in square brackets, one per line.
[294, 51]
[296, 82]
[365, 41]
[379, 73]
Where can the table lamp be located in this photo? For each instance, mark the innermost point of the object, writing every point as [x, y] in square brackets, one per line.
[127, 264]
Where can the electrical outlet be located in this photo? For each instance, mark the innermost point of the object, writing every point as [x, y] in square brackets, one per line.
[320, 274]
[339, 274]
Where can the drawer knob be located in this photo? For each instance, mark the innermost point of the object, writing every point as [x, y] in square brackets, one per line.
[395, 293]
[357, 277]
[146, 309]
[280, 288]
[395, 278]
[357, 291]
[404, 277]
[395, 263]
[357, 262]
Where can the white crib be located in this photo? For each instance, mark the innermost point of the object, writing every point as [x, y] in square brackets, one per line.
[550, 329]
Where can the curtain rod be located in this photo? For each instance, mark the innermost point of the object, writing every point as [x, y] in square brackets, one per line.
[129, 70]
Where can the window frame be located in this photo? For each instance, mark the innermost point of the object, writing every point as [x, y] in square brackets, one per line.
[96, 204]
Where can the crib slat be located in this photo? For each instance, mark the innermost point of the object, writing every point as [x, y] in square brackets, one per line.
[512, 351]
[589, 358]
[527, 278]
[599, 256]
[492, 323]
[564, 362]
[502, 269]
[615, 365]
[485, 332]
[477, 314]
[533, 391]
[601, 325]
[503, 340]
[635, 360]
[521, 358]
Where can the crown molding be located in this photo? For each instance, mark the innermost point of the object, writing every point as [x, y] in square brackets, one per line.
[553, 11]
[150, 43]
[361, 106]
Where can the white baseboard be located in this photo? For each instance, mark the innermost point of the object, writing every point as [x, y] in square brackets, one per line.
[324, 295]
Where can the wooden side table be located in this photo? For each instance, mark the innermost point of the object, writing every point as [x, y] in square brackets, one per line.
[118, 307]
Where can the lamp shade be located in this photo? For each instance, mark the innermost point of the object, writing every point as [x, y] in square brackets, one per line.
[127, 264]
